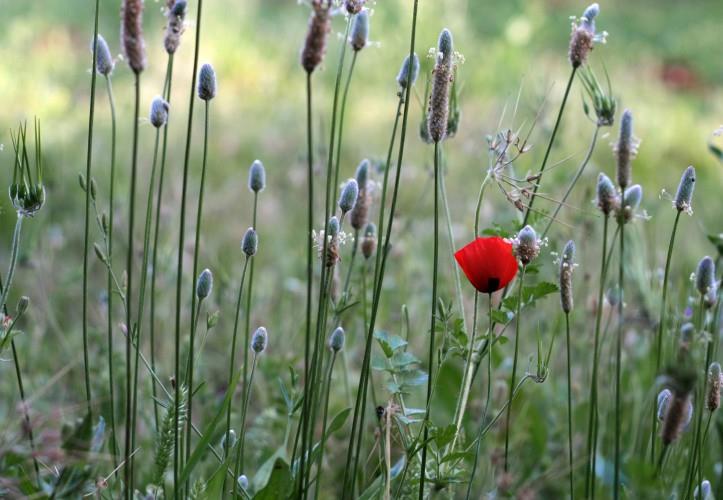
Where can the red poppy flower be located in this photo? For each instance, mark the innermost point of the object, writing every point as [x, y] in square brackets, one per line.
[488, 263]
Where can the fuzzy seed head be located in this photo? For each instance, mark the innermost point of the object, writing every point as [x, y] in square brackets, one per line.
[712, 398]
[369, 241]
[206, 82]
[259, 340]
[631, 201]
[705, 275]
[228, 441]
[204, 284]
[438, 114]
[567, 265]
[678, 412]
[703, 492]
[582, 38]
[134, 47]
[22, 306]
[257, 176]
[589, 16]
[336, 340]
[362, 173]
[176, 14]
[360, 31]
[348, 196]
[684, 194]
[663, 399]
[360, 212]
[625, 149]
[103, 60]
[159, 112]
[250, 242]
[334, 227]
[319, 27]
[405, 77]
[607, 198]
[354, 6]
[526, 246]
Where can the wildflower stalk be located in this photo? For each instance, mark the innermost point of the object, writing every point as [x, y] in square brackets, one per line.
[327, 390]
[244, 409]
[430, 360]
[513, 376]
[618, 359]
[661, 326]
[233, 355]
[248, 325]
[109, 256]
[592, 416]
[549, 144]
[130, 393]
[342, 111]
[574, 180]
[86, 227]
[14, 247]
[382, 253]
[195, 310]
[156, 231]
[569, 405]
[179, 267]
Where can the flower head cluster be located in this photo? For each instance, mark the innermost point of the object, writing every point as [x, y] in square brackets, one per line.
[27, 191]
[526, 245]
[584, 35]
[335, 239]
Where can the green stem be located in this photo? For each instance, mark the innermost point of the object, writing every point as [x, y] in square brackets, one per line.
[179, 266]
[195, 311]
[86, 227]
[569, 406]
[618, 359]
[513, 376]
[574, 180]
[15, 246]
[359, 406]
[130, 421]
[244, 409]
[342, 111]
[109, 256]
[592, 417]
[233, 358]
[549, 145]
[320, 459]
[661, 326]
[156, 231]
[433, 307]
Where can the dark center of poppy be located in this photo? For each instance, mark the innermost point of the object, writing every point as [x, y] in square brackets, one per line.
[493, 283]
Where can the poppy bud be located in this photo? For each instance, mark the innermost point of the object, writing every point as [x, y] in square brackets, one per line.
[228, 441]
[206, 83]
[134, 47]
[250, 242]
[369, 241]
[714, 382]
[259, 340]
[174, 29]
[257, 176]
[684, 195]
[336, 340]
[404, 76]
[607, 197]
[159, 112]
[526, 245]
[315, 44]
[243, 482]
[360, 31]
[625, 149]
[348, 196]
[103, 60]
[22, 306]
[567, 264]
[204, 284]
[438, 114]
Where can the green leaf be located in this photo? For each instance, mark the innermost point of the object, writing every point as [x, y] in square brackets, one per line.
[279, 483]
[403, 359]
[263, 476]
[338, 421]
[717, 152]
[389, 343]
[413, 377]
[502, 317]
[443, 435]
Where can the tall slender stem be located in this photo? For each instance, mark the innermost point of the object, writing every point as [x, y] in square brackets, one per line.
[569, 406]
[592, 417]
[156, 231]
[513, 376]
[181, 234]
[661, 327]
[244, 409]
[86, 226]
[341, 125]
[430, 359]
[359, 406]
[14, 247]
[618, 359]
[196, 250]
[320, 459]
[109, 256]
[130, 422]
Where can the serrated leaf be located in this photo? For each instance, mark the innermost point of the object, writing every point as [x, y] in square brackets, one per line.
[389, 343]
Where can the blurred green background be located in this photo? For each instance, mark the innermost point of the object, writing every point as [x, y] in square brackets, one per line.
[663, 57]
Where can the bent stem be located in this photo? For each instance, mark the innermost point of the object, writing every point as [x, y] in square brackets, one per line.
[432, 320]
[592, 417]
[514, 368]
[661, 326]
